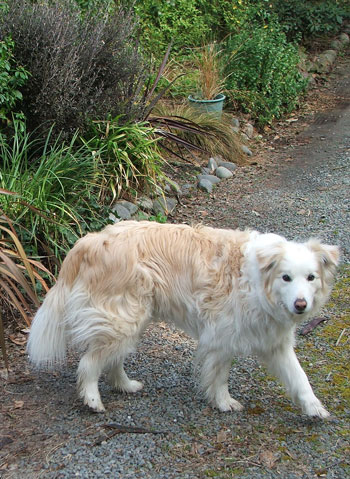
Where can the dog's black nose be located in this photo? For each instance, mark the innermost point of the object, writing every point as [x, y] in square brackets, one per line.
[300, 305]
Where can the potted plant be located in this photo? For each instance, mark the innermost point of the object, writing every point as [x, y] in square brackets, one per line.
[210, 84]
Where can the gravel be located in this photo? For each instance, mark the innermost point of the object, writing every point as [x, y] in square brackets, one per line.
[51, 435]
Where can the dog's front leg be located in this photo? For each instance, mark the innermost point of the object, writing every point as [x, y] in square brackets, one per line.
[214, 380]
[285, 365]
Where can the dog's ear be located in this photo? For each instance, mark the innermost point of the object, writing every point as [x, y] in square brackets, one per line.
[268, 256]
[328, 255]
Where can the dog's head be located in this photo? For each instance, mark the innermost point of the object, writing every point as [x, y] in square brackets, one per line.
[297, 276]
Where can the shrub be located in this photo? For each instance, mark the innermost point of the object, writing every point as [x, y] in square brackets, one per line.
[263, 76]
[307, 19]
[12, 79]
[81, 66]
[180, 21]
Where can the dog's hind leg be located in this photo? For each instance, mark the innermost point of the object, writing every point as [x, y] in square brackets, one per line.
[119, 379]
[214, 380]
[89, 370]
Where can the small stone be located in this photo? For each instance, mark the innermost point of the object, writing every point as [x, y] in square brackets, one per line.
[164, 205]
[212, 164]
[235, 122]
[235, 129]
[336, 44]
[172, 189]
[205, 185]
[228, 164]
[344, 38]
[131, 207]
[223, 172]
[213, 179]
[246, 150]
[206, 171]
[122, 212]
[145, 203]
[249, 130]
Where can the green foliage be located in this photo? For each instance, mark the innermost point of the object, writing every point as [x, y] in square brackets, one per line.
[127, 156]
[81, 66]
[307, 19]
[12, 78]
[180, 21]
[53, 183]
[263, 76]
[158, 218]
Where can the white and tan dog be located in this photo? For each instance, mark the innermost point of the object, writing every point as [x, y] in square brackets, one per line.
[236, 292]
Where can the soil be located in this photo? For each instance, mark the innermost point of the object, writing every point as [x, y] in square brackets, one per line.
[288, 187]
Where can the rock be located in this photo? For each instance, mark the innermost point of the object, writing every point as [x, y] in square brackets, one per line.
[245, 137]
[235, 129]
[212, 164]
[223, 173]
[325, 61]
[146, 204]
[336, 44]
[213, 179]
[122, 212]
[164, 205]
[249, 130]
[228, 164]
[235, 123]
[131, 207]
[247, 151]
[172, 189]
[205, 185]
[206, 171]
[113, 218]
[344, 39]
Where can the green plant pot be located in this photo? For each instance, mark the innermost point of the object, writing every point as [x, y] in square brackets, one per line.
[214, 106]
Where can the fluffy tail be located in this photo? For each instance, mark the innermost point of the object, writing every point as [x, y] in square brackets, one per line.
[47, 339]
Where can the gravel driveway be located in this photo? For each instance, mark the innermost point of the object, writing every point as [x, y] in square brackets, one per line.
[167, 430]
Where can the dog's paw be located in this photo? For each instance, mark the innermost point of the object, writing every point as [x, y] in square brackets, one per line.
[132, 386]
[315, 409]
[94, 403]
[227, 403]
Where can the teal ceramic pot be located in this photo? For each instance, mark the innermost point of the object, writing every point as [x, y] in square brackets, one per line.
[214, 106]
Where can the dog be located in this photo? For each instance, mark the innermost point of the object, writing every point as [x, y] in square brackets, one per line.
[236, 292]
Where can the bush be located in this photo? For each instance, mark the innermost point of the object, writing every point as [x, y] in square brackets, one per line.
[81, 66]
[307, 19]
[12, 79]
[180, 21]
[262, 73]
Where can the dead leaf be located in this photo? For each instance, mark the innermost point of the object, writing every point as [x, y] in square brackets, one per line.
[18, 404]
[20, 340]
[221, 436]
[268, 458]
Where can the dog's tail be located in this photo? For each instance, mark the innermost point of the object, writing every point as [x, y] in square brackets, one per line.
[47, 339]
[47, 342]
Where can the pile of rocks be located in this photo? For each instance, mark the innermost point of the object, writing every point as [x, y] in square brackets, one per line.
[165, 203]
[323, 62]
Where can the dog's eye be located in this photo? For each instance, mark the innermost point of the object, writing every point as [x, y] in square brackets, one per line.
[286, 278]
[311, 277]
